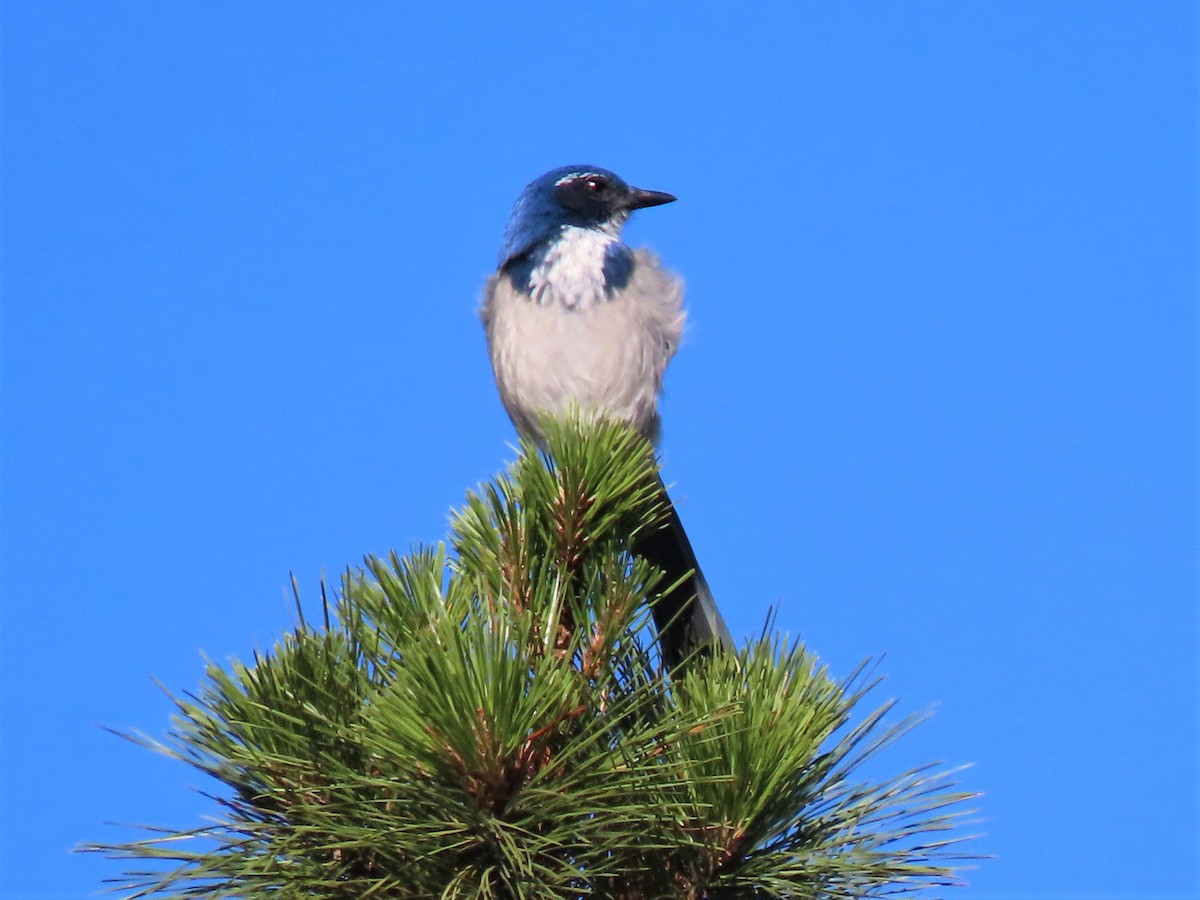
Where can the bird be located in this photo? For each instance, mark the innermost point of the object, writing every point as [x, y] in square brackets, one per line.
[576, 320]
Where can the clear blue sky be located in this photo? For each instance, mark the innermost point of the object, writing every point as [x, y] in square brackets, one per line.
[938, 399]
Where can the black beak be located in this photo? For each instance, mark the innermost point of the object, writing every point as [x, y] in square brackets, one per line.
[639, 199]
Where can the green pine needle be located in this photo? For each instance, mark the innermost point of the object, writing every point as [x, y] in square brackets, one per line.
[494, 725]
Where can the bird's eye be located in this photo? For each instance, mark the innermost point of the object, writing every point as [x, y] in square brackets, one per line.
[586, 192]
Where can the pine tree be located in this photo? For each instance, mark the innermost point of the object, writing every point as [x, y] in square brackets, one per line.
[494, 722]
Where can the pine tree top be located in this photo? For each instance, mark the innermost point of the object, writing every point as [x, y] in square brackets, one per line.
[494, 722]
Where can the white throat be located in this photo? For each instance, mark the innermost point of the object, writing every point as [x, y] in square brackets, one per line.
[570, 271]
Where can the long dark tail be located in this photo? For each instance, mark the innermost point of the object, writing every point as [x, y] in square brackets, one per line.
[686, 618]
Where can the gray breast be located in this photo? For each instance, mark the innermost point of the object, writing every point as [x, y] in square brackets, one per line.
[551, 353]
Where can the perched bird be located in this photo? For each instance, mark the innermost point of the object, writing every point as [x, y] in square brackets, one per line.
[577, 319]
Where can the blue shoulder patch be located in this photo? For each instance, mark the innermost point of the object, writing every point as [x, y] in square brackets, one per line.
[519, 272]
[618, 266]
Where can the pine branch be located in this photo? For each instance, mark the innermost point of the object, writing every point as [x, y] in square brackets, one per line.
[494, 724]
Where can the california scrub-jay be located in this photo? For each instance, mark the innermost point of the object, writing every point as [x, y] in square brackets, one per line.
[575, 318]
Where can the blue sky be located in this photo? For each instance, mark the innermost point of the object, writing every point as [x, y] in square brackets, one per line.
[937, 402]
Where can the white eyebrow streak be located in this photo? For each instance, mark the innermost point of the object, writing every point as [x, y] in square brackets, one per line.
[574, 176]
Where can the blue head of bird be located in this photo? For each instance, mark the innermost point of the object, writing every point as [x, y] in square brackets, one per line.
[563, 237]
